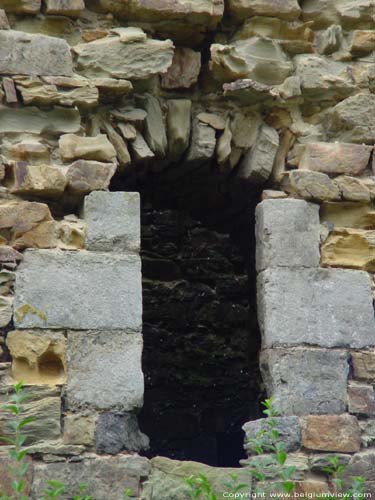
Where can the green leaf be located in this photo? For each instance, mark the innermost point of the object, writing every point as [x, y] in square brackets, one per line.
[26, 421]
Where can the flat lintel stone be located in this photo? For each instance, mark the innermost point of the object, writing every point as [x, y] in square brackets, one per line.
[78, 290]
[287, 233]
[321, 307]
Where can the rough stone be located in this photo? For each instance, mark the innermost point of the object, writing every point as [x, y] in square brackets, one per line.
[179, 125]
[362, 464]
[71, 8]
[311, 186]
[140, 150]
[202, 144]
[46, 95]
[29, 150]
[26, 54]
[35, 121]
[351, 248]
[110, 57]
[97, 148]
[364, 365]
[334, 159]
[306, 381]
[361, 399]
[287, 234]
[6, 311]
[333, 300]
[113, 221]
[155, 131]
[79, 429]
[118, 432]
[104, 370]
[284, 9]
[347, 214]
[21, 6]
[35, 180]
[119, 145]
[89, 290]
[4, 23]
[127, 130]
[353, 189]
[85, 176]
[288, 428]
[106, 477]
[336, 433]
[185, 69]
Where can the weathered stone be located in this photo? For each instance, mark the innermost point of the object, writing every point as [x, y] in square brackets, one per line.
[352, 248]
[135, 116]
[110, 57]
[213, 120]
[29, 150]
[353, 189]
[39, 357]
[119, 145]
[368, 432]
[35, 180]
[97, 148]
[335, 158]
[322, 461]
[26, 54]
[361, 399]
[85, 176]
[128, 131]
[6, 311]
[202, 144]
[185, 69]
[332, 300]
[140, 150]
[52, 450]
[79, 429]
[245, 129]
[346, 214]
[44, 235]
[10, 91]
[339, 433]
[364, 365]
[165, 481]
[35, 121]
[106, 477]
[306, 381]
[363, 42]
[287, 234]
[224, 144]
[90, 290]
[272, 194]
[113, 221]
[330, 40]
[4, 23]
[9, 255]
[257, 164]
[258, 59]
[45, 95]
[71, 8]
[155, 131]
[362, 464]
[118, 432]
[326, 12]
[179, 125]
[288, 428]
[312, 186]
[112, 87]
[285, 9]
[352, 120]
[21, 6]
[104, 370]
[71, 233]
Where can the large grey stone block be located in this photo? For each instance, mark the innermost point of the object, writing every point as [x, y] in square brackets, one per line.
[105, 370]
[26, 54]
[287, 233]
[113, 221]
[289, 430]
[322, 307]
[306, 381]
[117, 432]
[106, 477]
[78, 290]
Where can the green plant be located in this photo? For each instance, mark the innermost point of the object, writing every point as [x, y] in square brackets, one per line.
[335, 472]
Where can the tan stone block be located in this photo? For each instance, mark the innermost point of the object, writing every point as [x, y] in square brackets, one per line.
[364, 365]
[285, 9]
[352, 248]
[89, 148]
[363, 41]
[352, 189]
[29, 150]
[79, 429]
[361, 399]
[334, 433]
[6, 310]
[309, 185]
[41, 236]
[85, 176]
[18, 217]
[38, 356]
[35, 180]
[348, 214]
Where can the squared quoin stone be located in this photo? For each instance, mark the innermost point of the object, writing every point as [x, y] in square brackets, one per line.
[78, 290]
[104, 370]
[322, 307]
[287, 233]
[336, 433]
[113, 221]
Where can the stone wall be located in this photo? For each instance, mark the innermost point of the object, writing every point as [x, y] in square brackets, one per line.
[207, 104]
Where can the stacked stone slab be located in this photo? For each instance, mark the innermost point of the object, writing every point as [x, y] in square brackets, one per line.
[93, 298]
[313, 322]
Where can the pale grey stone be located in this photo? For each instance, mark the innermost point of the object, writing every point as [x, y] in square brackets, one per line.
[26, 54]
[287, 233]
[140, 150]
[256, 166]
[202, 144]
[155, 131]
[113, 221]
[78, 290]
[35, 121]
[321, 307]
[306, 381]
[289, 430]
[104, 370]
[6, 310]
[118, 432]
[179, 125]
[106, 477]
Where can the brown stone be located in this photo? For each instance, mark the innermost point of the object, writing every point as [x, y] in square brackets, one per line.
[29, 150]
[97, 148]
[79, 429]
[285, 9]
[36, 180]
[351, 248]
[361, 399]
[352, 189]
[348, 214]
[41, 236]
[334, 433]
[184, 71]
[85, 176]
[308, 185]
[364, 365]
[18, 217]
[363, 42]
[9, 255]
